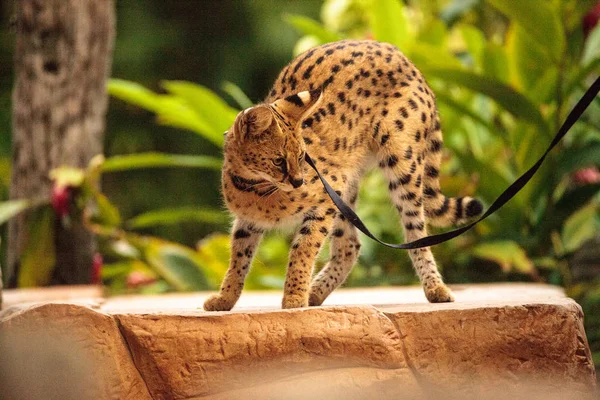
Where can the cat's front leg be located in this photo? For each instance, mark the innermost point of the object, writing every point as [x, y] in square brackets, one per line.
[245, 238]
[306, 246]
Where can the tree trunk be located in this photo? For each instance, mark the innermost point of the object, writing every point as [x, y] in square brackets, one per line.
[63, 57]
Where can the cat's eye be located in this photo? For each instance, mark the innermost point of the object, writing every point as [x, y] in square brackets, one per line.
[279, 161]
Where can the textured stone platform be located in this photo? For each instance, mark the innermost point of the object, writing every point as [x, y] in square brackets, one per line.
[496, 342]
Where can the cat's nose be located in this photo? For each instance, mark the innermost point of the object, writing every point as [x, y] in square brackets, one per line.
[296, 182]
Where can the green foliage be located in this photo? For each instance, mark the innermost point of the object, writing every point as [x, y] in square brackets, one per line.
[540, 20]
[173, 216]
[12, 208]
[187, 105]
[39, 257]
[159, 160]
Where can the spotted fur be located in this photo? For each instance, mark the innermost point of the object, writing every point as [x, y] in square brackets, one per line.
[344, 103]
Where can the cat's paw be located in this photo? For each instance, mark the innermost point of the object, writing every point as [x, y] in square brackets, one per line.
[218, 302]
[294, 301]
[315, 300]
[439, 294]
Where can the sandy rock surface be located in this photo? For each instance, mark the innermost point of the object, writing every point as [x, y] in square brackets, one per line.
[497, 341]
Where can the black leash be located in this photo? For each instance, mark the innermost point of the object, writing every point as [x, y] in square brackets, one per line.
[508, 194]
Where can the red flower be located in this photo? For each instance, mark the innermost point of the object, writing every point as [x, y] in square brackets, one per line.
[139, 278]
[591, 19]
[61, 199]
[586, 176]
[97, 263]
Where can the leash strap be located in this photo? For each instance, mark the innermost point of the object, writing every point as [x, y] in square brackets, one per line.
[508, 194]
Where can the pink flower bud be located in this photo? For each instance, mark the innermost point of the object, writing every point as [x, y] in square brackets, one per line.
[97, 263]
[138, 278]
[586, 176]
[61, 199]
[591, 19]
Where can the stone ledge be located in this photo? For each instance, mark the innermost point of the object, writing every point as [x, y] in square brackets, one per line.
[496, 341]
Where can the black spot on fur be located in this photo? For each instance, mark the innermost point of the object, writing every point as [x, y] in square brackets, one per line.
[429, 192]
[308, 72]
[307, 123]
[436, 146]
[331, 108]
[241, 234]
[408, 196]
[376, 130]
[474, 208]
[295, 99]
[459, 208]
[432, 172]
[338, 233]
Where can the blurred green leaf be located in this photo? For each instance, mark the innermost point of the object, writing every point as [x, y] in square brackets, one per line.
[580, 74]
[579, 227]
[190, 106]
[570, 202]
[573, 158]
[12, 208]
[591, 50]
[544, 90]
[456, 9]
[426, 57]
[107, 213]
[217, 114]
[511, 100]
[176, 264]
[134, 93]
[539, 20]
[213, 255]
[67, 176]
[174, 216]
[178, 113]
[159, 160]
[389, 22]
[310, 27]
[435, 34]
[237, 94]
[38, 258]
[463, 109]
[121, 268]
[495, 62]
[506, 253]
[528, 61]
[475, 42]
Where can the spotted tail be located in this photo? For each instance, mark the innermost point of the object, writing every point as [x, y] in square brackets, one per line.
[440, 210]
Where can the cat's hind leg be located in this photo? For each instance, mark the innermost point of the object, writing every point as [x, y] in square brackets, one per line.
[401, 157]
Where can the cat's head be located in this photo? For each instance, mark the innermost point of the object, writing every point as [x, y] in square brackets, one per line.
[265, 141]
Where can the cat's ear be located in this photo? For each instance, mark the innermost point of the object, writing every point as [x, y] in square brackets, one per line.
[296, 105]
[253, 122]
